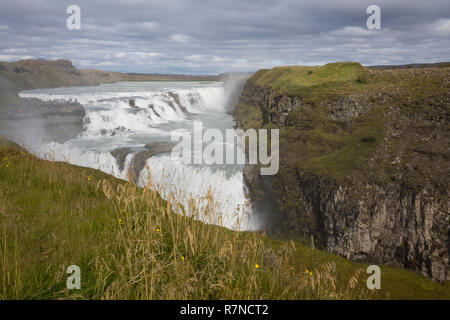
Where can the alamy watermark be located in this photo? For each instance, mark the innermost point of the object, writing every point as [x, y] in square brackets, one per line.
[192, 150]
[74, 280]
[374, 281]
[373, 22]
[73, 22]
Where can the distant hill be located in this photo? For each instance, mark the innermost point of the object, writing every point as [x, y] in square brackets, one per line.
[29, 74]
[107, 76]
[414, 65]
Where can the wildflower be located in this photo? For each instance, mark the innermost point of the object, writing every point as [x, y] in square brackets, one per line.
[157, 229]
[120, 221]
[7, 165]
[256, 266]
[182, 257]
[310, 273]
[307, 271]
[89, 178]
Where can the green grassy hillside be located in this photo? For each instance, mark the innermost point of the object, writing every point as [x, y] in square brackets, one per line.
[130, 245]
[297, 80]
[345, 112]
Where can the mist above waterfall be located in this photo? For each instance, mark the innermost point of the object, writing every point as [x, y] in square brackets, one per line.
[233, 85]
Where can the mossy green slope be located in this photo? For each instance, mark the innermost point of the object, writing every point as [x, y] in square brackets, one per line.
[299, 80]
[318, 138]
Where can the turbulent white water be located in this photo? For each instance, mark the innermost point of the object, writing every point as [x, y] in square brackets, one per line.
[160, 108]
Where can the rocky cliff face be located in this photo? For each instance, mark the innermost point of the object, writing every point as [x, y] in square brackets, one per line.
[43, 120]
[23, 118]
[363, 162]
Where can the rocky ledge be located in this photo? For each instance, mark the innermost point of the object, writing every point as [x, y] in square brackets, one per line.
[46, 120]
[140, 157]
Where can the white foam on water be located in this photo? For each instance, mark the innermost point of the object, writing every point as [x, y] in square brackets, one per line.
[227, 205]
[111, 123]
[68, 152]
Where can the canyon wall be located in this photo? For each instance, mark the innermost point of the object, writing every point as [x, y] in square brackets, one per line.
[22, 119]
[364, 159]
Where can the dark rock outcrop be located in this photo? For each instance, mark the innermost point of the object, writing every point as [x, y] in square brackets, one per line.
[139, 159]
[121, 155]
[46, 120]
[31, 118]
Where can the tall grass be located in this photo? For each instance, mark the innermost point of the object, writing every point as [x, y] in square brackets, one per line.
[129, 243]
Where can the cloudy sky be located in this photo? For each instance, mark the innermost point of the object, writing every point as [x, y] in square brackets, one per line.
[216, 36]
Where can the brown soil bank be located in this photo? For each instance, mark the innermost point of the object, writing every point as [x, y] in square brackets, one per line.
[364, 160]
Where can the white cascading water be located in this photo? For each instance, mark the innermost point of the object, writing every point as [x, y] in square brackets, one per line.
[160, 108]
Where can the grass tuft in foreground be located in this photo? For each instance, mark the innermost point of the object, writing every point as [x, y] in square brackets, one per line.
[129, 244]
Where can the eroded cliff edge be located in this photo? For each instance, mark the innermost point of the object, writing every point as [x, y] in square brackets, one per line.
[364, 159]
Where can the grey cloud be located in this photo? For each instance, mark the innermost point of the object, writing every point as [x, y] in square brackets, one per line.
[215, 36]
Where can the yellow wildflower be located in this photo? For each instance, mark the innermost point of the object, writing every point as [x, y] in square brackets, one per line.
[120, 221]
[256, 266]
[89, 178]
[182, 257]
[157, 229]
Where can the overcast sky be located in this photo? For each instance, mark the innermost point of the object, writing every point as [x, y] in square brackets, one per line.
[216, 36]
